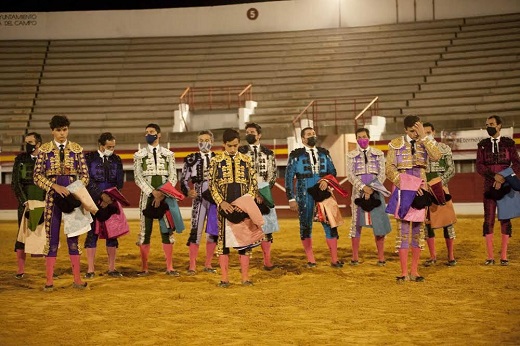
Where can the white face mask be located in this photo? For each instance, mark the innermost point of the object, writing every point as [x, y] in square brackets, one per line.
[108, 152]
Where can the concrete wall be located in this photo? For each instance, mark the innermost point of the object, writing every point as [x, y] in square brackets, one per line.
[232, 19]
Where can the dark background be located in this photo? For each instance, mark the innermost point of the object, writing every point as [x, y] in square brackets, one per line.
[94, 5]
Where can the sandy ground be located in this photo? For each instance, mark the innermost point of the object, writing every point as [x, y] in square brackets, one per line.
[469, 304]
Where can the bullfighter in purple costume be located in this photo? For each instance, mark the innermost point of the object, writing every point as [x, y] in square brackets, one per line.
[495, 154]
[59, 163]
[409, 154]
[106, 171]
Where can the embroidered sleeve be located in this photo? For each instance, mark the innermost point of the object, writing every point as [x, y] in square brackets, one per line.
[450, 168]
[213, 186]
[140, 180]
[290, 172]
[82, 169]
[391, 171]
[172, 171]
[185, 177]
[272, 170]
[39, 173]
[352, 178]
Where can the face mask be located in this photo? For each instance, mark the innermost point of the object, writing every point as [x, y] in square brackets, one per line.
[311, 141]
[29, 148]
[205, 146]
[150, 138]
[108, 152]
[363, 142]
[491, 131]
[251, 139]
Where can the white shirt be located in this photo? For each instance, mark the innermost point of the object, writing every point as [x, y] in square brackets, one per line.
[493, 143]
[315, 166]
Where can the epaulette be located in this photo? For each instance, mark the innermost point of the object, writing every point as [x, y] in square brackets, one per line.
[166, 151]
[297, 152]
[444, 149]
[483, 142]
[75, 147]
[141, 153]
[353, 153]
[116, 157]
[322, 150]
[266, 150]
[243, 149]
[396, 143]
[508, 140]
[377, 152]
[46, 147]
[245, 157]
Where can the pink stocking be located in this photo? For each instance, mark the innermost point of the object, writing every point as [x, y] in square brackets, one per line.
[416, 254]
[449, 246]
[194, 251]
[307, 246]
[111, 252]
[168, 254]
[20, 257]
[91, 258]
[355, 248]
[403, 258]
[210, 251]
[223, 261]
[380, 245]
[76, 268]
[49, 269]
[145, 250]
[266, 250]
[431, 248]
[333, 248]
[503, 252]
[244, 267]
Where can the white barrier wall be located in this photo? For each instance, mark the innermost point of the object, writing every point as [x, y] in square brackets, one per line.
[232, 19]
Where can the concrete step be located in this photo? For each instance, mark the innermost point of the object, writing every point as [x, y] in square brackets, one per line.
[475, 76]
[468, 85]
[466, 100]
[499, 66]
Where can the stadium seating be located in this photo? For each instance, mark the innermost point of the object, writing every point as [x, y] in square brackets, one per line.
[454, 73]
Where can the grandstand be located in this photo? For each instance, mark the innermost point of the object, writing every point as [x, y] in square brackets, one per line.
[453, 72]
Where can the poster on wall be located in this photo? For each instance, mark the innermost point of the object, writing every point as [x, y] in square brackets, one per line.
[468, 140]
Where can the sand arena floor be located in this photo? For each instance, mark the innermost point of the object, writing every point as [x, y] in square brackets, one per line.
[469, 304]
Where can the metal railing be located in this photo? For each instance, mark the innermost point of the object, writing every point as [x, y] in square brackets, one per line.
[336, 112]
[217, 97]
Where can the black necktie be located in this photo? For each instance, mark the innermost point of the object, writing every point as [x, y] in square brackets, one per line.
[62, 153]
[495, 146]
[366, 158]
[155, 155]
[206, 158]
[412, 144]
[314, 160]
[255, 152]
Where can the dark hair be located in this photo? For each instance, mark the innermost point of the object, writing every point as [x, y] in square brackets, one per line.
[497, 119]
[305, 129]
[36, 135]
[256, 126]
[229, 135]
[59, 121]
[429, 125]
[363, 129]
[154, 126]
[104, 137]
[206, 132]
[410, 121]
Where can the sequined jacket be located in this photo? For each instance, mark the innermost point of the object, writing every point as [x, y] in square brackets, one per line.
[265, 165]
[399, 157]
[103, 176]
[489, 163]
[193, 170]
[444, 168]
[145, 168]
[48, 165]
[299, 166]
[356, 167]
[222, 174]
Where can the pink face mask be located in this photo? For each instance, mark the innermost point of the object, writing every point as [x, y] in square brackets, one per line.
[363, 142]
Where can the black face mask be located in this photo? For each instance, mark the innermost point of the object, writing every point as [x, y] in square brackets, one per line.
[311, 141]
[251, 139]
[29, 148]
[491, 131]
